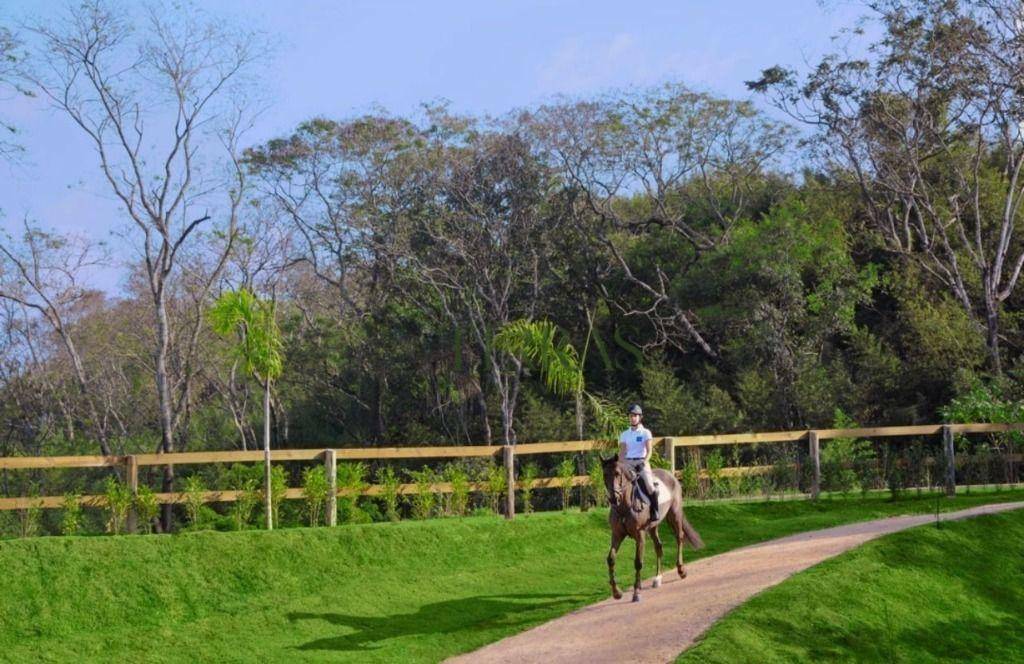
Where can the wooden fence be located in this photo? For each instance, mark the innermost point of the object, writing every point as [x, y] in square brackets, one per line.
[330, 456]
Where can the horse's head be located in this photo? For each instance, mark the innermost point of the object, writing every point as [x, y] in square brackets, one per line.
[617, 479]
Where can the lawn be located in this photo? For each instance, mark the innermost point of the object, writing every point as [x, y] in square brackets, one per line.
[409, 591]
[949, 594]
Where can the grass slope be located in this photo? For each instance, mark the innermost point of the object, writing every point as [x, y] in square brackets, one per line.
[410, 591]
[954, 594]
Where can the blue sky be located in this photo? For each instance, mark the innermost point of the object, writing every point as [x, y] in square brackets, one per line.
[337, 59]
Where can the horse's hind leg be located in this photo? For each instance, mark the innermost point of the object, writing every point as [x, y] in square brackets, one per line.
[612, 552]
[638, 563]
[675, 518]
[656, 538]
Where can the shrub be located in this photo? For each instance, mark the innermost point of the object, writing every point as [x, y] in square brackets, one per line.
[424, 498]
[494, 482]
[146, 507]
[351, 484]
[566, 473]
[315, 491]
[689, 478]
[245, 479]
[119, 501]
[458, 500]
[714, 464]
[278, 488]
[388, 481]
[195, 490]
[71, 519]
[527, 475]
[598, 493]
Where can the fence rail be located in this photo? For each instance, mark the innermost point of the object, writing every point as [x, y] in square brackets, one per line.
[668, 445]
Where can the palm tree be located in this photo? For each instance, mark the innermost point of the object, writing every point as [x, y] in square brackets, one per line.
[541, 344]
[258, 346]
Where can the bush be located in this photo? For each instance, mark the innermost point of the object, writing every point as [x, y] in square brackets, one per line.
[119, 501]
[315, 491]
[689, 478]
[424, 499]
[598, 492]
[71, 519]
[527, 475]
[278, 488]
[195, 490]
[351, 484]
[457, 502]
[493, 478]
[246, 480]
[146, 508]
[714, 464]
[566, 473]
[388, 481]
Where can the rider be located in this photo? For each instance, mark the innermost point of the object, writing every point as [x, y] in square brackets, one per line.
[635, 452]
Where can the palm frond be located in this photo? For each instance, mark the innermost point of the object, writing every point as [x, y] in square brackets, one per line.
[539, 343]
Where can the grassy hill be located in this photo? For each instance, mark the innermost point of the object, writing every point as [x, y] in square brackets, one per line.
[923, 595]
[409, 591]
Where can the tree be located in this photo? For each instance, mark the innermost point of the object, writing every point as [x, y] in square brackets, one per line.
[11, 57]
[258, 348]
[667, 163]
[104, 75]
[927, 127]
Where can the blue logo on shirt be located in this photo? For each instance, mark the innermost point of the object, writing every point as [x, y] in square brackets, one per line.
[639, 439]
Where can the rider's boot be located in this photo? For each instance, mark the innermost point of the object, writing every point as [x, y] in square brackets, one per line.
[655, 510]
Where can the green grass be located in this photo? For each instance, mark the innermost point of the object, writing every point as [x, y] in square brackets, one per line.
[953, 594]
[410, 591]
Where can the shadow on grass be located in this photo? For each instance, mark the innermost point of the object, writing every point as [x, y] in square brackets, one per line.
[447, 617]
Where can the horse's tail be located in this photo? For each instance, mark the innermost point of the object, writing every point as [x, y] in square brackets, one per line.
[692, 536]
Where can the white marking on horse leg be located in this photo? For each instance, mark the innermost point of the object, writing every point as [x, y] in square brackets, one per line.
[657, 582]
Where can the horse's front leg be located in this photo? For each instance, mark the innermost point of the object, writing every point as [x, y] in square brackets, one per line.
[617, 538]
[638, 563]
[657, 557]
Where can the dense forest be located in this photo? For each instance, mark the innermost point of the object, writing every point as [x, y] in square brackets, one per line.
[841, 247]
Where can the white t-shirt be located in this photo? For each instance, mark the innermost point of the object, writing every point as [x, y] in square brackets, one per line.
[635, 441]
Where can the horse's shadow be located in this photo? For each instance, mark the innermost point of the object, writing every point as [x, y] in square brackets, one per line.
[438, 618]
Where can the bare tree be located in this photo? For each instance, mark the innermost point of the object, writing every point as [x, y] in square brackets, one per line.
[150, 101]
[44, 273]
[11, 58]
[927, 126]
[667, 159]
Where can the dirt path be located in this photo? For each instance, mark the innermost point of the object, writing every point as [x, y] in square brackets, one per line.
[621, 631]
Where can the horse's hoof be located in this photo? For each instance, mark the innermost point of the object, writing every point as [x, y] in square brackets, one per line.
[656, 583]
[617, 595]
[682, 572]
[636, 598]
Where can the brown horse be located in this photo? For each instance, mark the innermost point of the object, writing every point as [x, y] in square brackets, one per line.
[630, 516]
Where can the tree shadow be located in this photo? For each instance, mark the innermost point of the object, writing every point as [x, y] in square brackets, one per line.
[447, 617]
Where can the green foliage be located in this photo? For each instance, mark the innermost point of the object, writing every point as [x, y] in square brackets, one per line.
[713, 464]
[71, 518]
[278, 488]
[119, 501]
[195, 499]
[457, 501]
[247, 480]
[388, 481]
[566, 473]
[538, 343]
[351, 484]
[596, 488]
[494, 486]
[689, 478]
[424, 500]
[841, 457]
[146, 508]
[527, 475]
[315, 491]
[254, 322]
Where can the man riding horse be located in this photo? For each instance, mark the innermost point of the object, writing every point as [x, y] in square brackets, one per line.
[635, 453]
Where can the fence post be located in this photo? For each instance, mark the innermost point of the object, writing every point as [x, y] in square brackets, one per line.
[331, 471]
[947, 444]
[509, 457]
[670, 453]
[812, 440]
[132, 477]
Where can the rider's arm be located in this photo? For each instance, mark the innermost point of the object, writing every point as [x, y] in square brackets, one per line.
[648, 449]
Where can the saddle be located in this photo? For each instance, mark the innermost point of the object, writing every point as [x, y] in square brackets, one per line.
[642, 501]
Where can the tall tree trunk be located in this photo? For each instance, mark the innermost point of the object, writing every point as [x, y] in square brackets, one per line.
[268, 502]
[163, 390]
[992, 333]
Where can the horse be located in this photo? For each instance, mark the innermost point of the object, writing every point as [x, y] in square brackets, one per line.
[630, 516]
